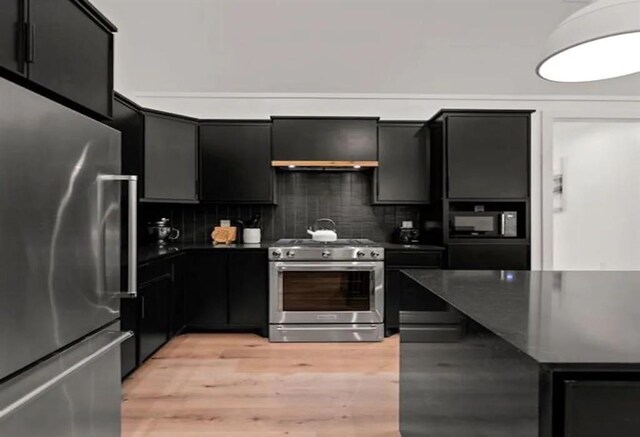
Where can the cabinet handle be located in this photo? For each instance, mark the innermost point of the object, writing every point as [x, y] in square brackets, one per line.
[142, 304]
[31, 46]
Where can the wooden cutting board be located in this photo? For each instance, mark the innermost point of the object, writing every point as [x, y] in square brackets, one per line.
[224, 234]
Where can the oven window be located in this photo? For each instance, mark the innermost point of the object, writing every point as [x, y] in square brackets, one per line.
[326, 291]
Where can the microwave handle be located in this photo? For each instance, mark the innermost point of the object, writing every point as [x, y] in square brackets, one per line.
[503, 224]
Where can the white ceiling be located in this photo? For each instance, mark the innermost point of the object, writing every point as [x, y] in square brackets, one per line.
[486, 47]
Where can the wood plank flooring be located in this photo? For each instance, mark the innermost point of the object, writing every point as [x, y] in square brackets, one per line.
[240, 385]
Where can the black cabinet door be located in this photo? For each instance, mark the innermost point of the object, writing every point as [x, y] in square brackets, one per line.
[489, 256]
[400, 292]
[404, 164]
[236, 162]
[601, 408]
[176, 313]
[129, 322]
[325, 139]
[154, 315]
[248, 289]
[170, 158]
[206, 289]
[488, 156]
[72, 54]
[12, 26]
[392, 293]
[130, 122]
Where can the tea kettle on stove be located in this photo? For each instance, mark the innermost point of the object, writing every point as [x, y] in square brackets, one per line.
[323, 230]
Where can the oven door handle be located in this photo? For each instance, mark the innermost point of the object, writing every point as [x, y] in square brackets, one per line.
[324, 267]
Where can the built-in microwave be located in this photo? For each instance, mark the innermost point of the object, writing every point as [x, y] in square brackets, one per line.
[483, 224]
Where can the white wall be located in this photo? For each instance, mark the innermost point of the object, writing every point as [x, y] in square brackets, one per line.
[488, 47]
[598, 227]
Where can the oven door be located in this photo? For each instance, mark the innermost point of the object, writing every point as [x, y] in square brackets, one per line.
[326, 292]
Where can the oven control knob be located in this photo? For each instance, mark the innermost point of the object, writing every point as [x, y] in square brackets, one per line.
[360, 254]
[375, 254]
[326, 254]
[290, 254]
[276, 254]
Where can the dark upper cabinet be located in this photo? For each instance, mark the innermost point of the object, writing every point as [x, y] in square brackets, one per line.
[325, 139]
[248, 289]
[12, 27]
[170, 158]
[403, 174]
[128, 119]
[489, 256]
[235, 162]
[154, 315]
[70, 52]
[206, 289]
[487, 155]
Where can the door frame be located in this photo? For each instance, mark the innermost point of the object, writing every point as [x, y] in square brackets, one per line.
[549, 120]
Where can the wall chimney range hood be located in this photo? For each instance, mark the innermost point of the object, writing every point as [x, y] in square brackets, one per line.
[324, 143]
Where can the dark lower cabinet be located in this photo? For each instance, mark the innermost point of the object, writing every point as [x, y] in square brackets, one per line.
[227, 290]
[601, 408]
[489, 256]
[403, 294]
[177, 302]
[129, 322]
[154, 315]
[248, 293]
[206, 287]
[404, 165]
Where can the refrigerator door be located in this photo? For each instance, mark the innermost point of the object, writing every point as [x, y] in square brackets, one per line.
[75, 393]
[59, 227]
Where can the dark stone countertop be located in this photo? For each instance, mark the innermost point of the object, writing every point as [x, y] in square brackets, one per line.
[151, 252]
[426, 247]
[554, 317]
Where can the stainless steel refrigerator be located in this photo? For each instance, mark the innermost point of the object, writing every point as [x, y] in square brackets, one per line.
[60, 284]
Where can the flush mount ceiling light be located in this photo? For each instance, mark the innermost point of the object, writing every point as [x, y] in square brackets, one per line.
[600, 41]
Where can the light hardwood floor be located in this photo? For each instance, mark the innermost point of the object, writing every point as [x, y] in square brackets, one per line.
[240, 385]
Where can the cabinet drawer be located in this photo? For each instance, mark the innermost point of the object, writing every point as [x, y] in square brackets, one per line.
[412, 258]
[489, 256]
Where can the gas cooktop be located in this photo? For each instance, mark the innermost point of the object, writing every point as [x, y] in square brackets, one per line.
[339, 250]
[314, 243]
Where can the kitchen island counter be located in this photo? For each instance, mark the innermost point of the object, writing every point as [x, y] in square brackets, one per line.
[554, 317]
[545, 354]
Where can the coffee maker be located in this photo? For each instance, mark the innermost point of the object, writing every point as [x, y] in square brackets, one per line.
[407, 234]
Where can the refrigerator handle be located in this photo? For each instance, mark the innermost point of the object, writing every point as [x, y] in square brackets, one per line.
[132, 242]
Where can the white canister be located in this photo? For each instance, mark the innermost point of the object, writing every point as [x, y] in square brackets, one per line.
[251, 236]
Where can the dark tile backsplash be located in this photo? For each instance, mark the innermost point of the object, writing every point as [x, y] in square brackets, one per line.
[302, 197]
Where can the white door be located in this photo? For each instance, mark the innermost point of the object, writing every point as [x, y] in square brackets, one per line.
[596, 214]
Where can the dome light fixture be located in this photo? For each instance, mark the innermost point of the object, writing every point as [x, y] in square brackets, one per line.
[600, 41]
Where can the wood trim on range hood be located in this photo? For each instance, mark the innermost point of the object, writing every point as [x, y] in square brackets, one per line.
[361, 164]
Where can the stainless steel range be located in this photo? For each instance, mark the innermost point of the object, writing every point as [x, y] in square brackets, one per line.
[326, 291]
